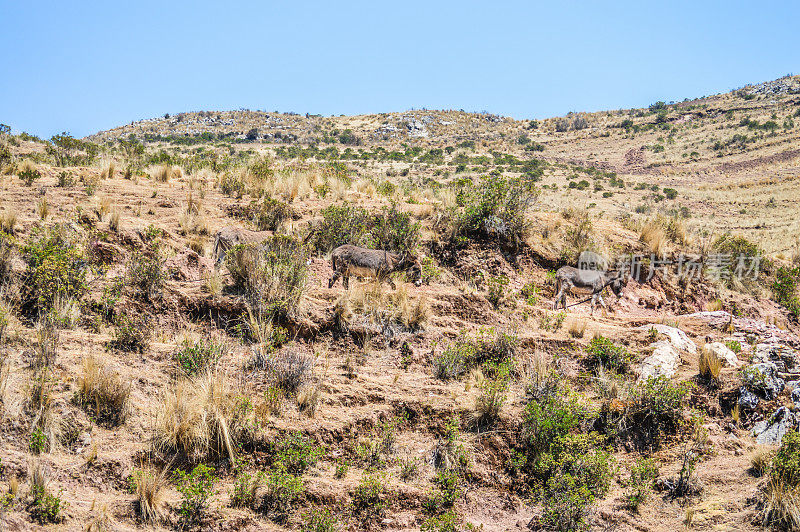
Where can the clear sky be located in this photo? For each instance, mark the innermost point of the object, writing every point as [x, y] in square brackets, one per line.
[88, 66]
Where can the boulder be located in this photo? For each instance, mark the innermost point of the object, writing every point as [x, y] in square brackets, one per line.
[771, 431]
[747, 399]
[762, 379]
[677, 337]
[722, 352]
[663, 362]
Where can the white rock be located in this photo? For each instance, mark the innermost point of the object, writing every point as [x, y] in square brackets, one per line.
[663, 362]
[677, 337]
[722, 352]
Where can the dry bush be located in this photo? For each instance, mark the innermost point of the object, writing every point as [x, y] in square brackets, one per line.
[150, 483]
[781, 505]
[200, 419]
[113, 220]
[289, 369]
[42, 208]
[66, 312]
[577, 328]
[193, 223]
[212, 282]
[108, 170]
[710, 366]
[103, 393]
[8, 221]
[47, 340]
[101, 520]
[653, 237]
[162, 173]
[101, 205]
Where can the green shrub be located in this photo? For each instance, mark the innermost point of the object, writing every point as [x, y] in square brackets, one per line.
[447, 491]
[497, 286]
[244, 491]
[145, 272]
[56, 267]
[452, 362]
[369, 496]
[38, 441]
[565, 502]
[320, 520]
[282, 492]
[603, 352]
[494, 209]
[391, 229]
[44, 506]
[297, 453]
[785, 288]
[232, 184]
[786, 464]
[495, 347]
[446, 522]
[734, 346]
[654, 409]
[196, 356]
[196, 488]
[29, 175]
[492, 395]
[130, 334]
[638, 487]
[266, 214]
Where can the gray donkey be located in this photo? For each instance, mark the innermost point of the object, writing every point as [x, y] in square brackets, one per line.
[350, 260]
[569, 279]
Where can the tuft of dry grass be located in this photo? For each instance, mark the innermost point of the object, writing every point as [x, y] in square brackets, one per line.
[66, 312]
[781, 506]
[761, 460]
[108, 170]
[710, 365]
[150, 484]
[577, 328]
[101, 206]
[200, 419]
[411, 313]
[8, 221]
[43, 208]
[47, 340]
[162, 173]
[714, 305]
[212, 282]
[113, 220]
[103, 393]
[652, 235]
[308, 399]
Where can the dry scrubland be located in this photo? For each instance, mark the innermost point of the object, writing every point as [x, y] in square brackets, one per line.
[141, 387]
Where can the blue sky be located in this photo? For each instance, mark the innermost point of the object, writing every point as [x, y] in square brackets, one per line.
[87, 66]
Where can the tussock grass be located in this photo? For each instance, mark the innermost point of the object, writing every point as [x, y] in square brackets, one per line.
[103, 393]
[781, 505]
[652, 235]
[150, 484]
[577, 328]
[709, 365]
[200, 419]
[162, 173]
[761, 460]
[372, 302]
[42, 208]
[114, 219]
[108, 170]
[8, 221]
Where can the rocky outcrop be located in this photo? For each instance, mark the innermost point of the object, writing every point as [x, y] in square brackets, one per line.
[771, 431]
[663, 362]
[723, 353]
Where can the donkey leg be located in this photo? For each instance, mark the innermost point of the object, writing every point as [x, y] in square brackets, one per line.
[346, 281]
[336, 275]
[559, 289]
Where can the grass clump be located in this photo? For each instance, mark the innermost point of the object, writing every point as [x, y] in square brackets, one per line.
[781, 495]
[273, 275]
[369, 497]
[145, 272]
[148, 485]
[130, 335]
[102, 393]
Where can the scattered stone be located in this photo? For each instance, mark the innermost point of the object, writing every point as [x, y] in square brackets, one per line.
[763, 380]
[771, 432]
[677, 337]
[663, 362]
[722, 352]
[747, 399]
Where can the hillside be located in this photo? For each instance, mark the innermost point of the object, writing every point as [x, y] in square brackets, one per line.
[130, 360]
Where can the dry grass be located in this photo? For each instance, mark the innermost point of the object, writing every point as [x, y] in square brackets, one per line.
[577, 328]
[113, 220]
[42, 208]
[709, 365]
[652, 235]
[308, 399]
[108, 169]
[8, 221]
[212, 282]
[162, 173]
[47, 340]
[101, 206]
[200, 419]
[761, 459]
[714, 305]
[372, 302]
[103, 393]
[150, 484]
[781, 505]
